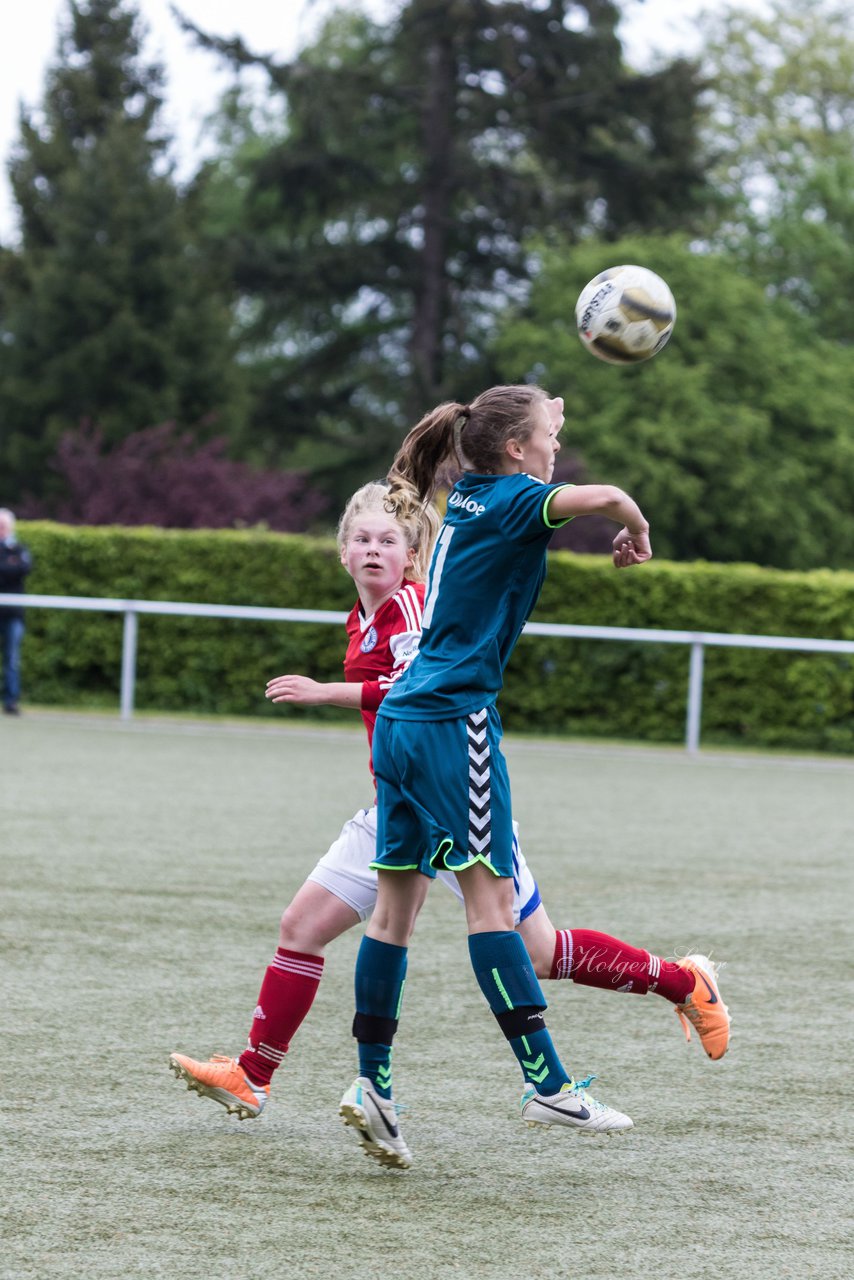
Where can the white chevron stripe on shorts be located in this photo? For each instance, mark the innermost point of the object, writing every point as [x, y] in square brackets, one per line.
[480, 814]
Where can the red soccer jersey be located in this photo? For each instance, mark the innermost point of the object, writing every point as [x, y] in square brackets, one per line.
[381, 647]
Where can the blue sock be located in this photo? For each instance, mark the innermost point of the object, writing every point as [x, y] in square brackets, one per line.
[506, 977]
[380, 978]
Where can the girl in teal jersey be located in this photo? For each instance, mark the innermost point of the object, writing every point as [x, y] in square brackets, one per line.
[442, 787]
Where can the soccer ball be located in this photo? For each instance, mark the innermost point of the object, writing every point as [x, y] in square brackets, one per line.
[625, 314]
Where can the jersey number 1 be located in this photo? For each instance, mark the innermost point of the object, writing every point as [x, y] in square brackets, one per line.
[436, 574]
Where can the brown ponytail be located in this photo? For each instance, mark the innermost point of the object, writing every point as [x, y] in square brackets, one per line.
[472, 437]
[427, 447]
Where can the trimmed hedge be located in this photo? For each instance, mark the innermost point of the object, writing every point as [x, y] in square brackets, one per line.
[750, 697]
[183, 664]
[590, 688]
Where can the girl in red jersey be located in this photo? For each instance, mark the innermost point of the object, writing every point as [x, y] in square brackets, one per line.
[387, 558]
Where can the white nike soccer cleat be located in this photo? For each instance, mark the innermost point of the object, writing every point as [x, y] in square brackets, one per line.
[575, 1108]
[375, 1119]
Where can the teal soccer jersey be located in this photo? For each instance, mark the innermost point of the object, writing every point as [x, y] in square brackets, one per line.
[486, 574]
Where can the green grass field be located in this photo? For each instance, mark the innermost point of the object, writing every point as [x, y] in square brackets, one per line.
[144, 868]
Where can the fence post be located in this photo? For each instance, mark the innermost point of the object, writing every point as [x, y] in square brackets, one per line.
[695, 698]
[128, 664]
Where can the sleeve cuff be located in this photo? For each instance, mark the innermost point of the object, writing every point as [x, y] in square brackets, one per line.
[372, 695]
[555, 524]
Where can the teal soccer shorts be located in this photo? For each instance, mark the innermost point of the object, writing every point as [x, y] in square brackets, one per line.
[443, 794]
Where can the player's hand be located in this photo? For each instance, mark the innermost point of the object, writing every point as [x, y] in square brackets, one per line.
[299, 689]
[631, 548]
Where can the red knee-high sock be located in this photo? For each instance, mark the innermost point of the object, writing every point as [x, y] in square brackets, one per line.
[597, 960]
[287, 993]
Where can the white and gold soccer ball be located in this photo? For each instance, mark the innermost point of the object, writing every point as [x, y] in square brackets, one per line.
[625, 314]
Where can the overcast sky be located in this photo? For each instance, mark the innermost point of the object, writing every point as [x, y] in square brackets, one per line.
[195, 78]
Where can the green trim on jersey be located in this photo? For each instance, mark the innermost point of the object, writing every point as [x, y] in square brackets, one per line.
[546, 521]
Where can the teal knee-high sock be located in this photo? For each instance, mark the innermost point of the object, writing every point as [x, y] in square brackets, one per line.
[380, 978]
[507, 979]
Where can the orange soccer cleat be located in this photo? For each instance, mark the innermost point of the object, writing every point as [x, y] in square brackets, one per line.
[224, 1080]
[704, 1009]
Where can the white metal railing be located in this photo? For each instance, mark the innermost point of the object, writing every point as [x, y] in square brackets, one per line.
[697, 640]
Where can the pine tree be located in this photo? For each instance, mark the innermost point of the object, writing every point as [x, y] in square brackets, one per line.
[111, 313]
[384, 229]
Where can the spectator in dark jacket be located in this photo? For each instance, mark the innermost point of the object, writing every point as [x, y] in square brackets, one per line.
[15, 563]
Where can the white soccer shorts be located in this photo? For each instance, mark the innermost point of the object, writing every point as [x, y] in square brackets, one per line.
[346, 869]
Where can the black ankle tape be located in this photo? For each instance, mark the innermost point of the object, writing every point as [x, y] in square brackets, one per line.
[369, 1029]
[523, 1021]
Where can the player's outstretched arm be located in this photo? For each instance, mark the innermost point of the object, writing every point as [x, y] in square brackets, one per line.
[631, 545]
[305, 692]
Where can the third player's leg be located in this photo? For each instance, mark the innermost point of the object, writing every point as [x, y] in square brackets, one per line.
[314, 918]
[539, 934]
